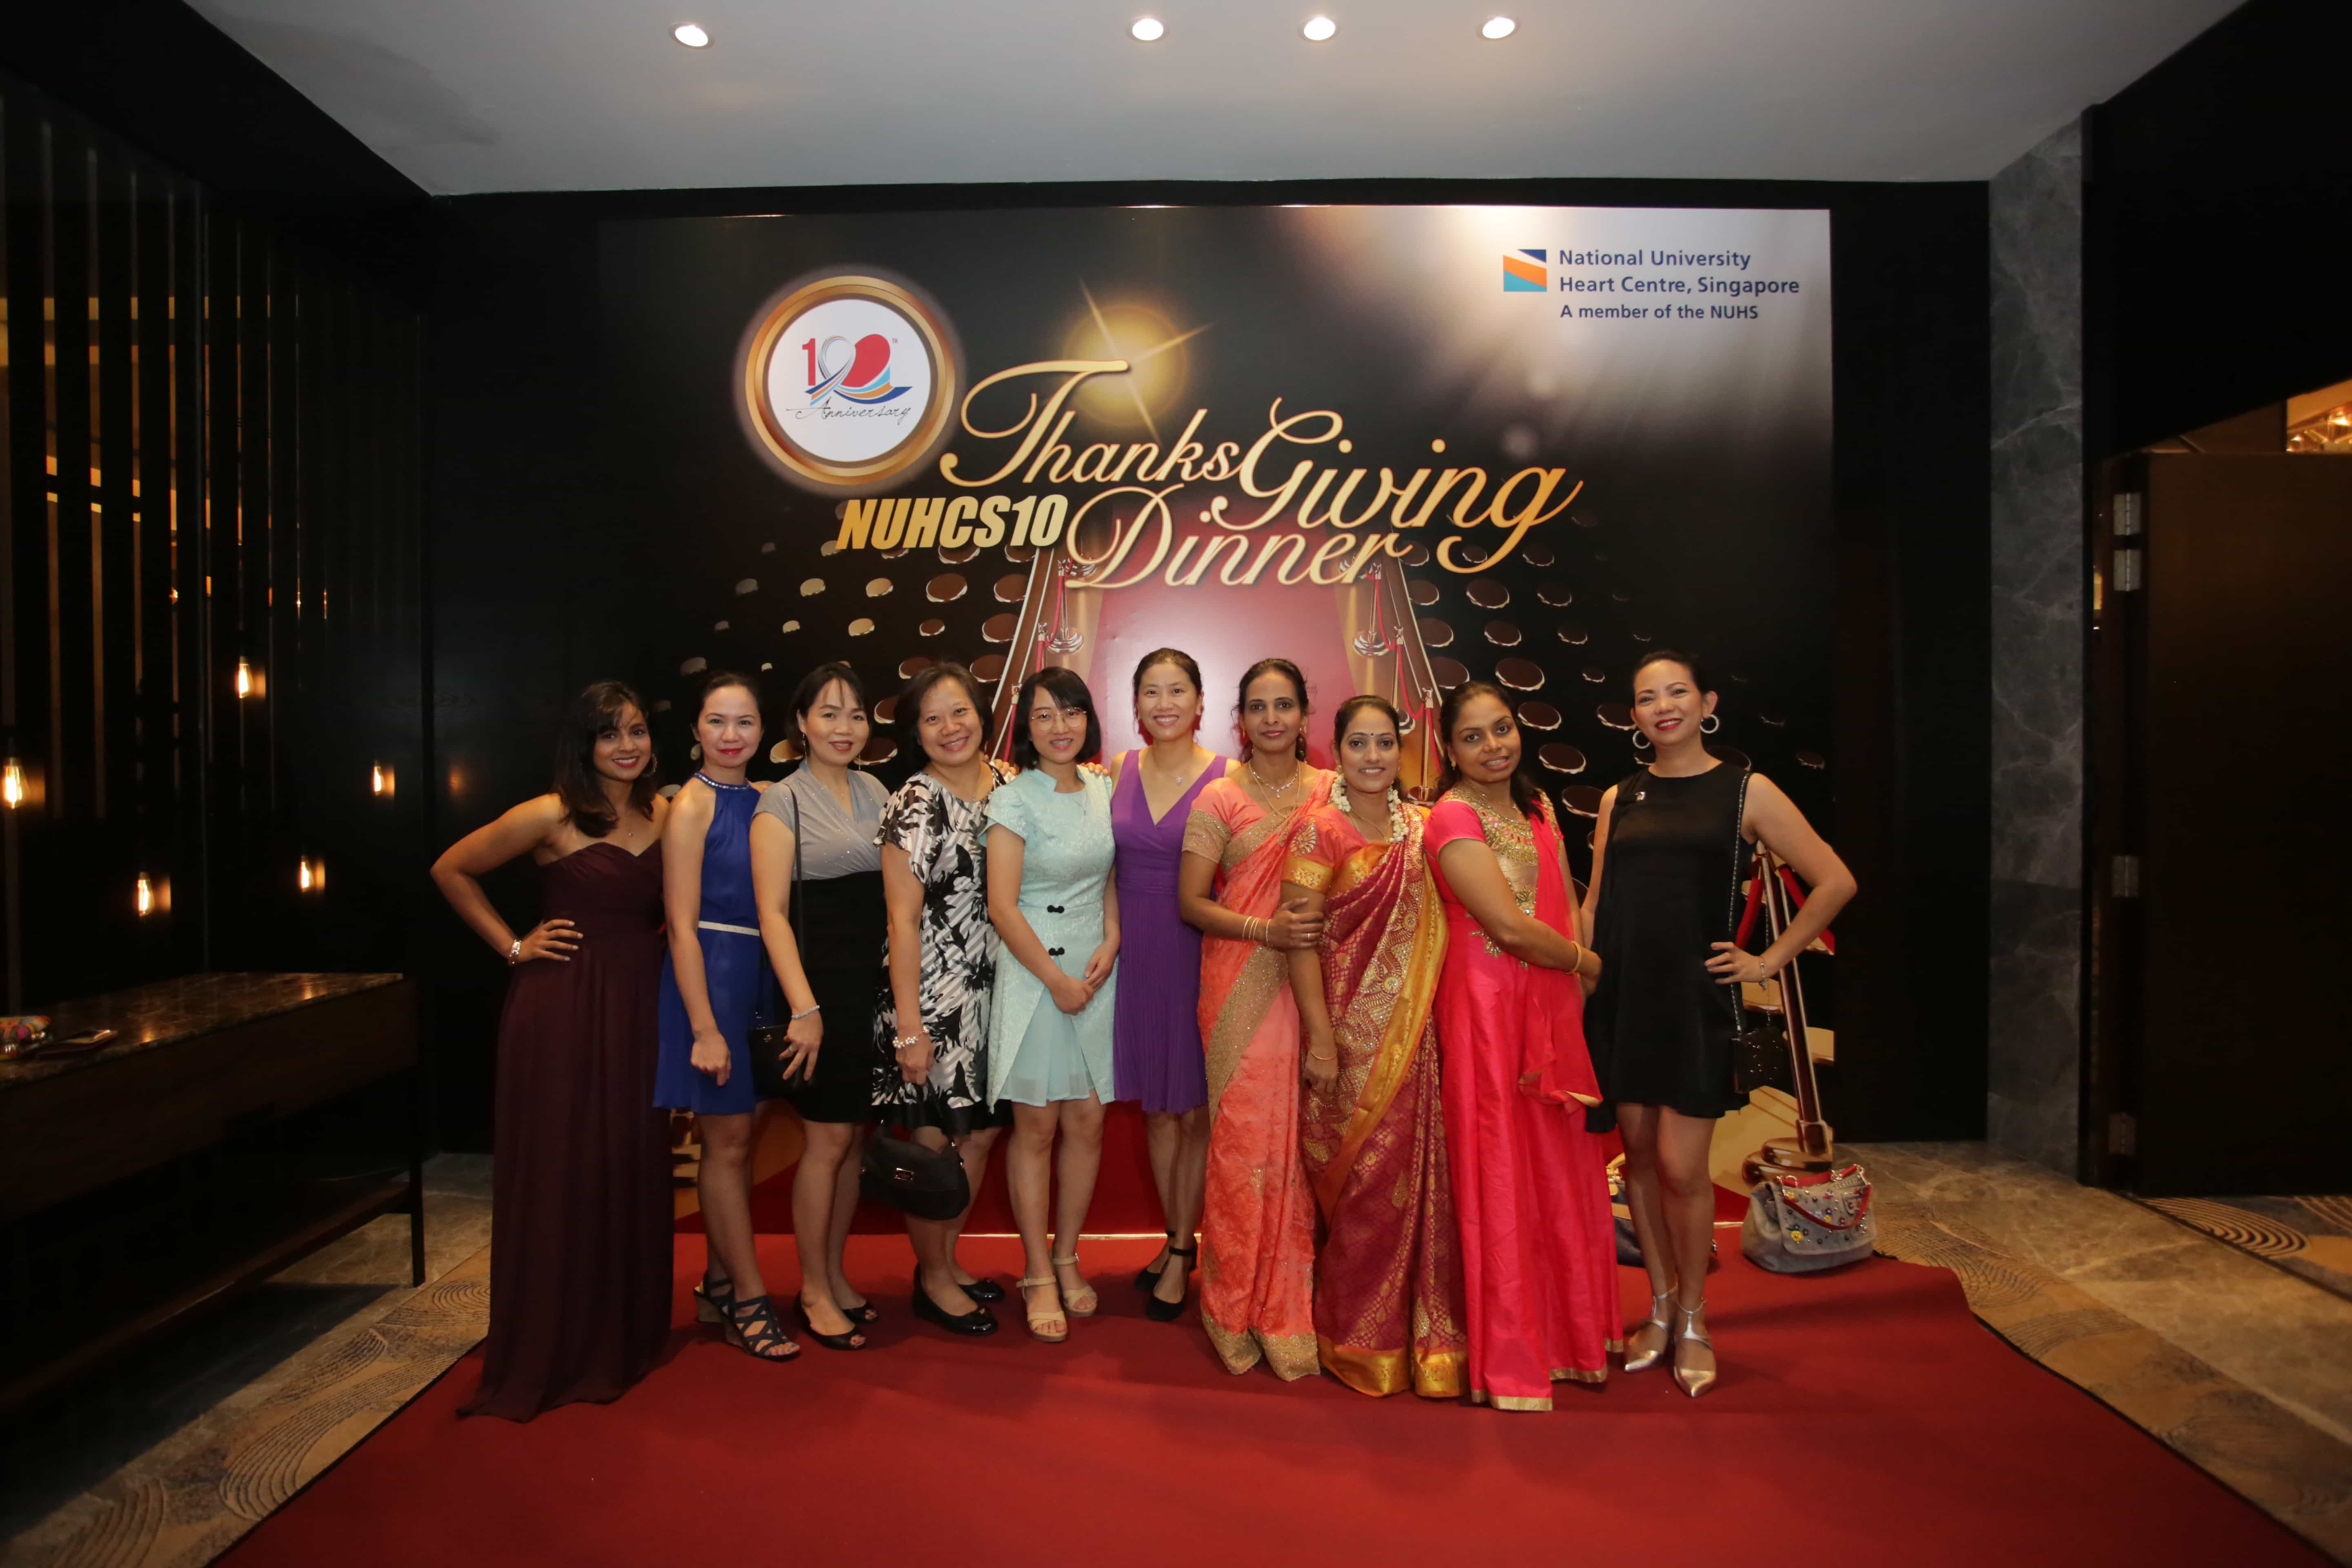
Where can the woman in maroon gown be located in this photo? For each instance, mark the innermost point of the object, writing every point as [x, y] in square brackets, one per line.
[579, 1214]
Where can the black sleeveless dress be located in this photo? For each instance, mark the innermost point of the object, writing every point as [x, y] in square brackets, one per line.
[1659, 1026]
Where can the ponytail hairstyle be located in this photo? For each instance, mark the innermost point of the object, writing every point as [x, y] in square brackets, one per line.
[1524, 792]
[1289, 672]
[595, 714]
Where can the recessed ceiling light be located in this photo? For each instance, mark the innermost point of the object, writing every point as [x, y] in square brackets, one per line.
[1318, 28]
[1148, 30]
[692, 36]
[1498, 28]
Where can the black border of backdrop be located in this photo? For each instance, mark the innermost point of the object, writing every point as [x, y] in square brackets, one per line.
[534, 575]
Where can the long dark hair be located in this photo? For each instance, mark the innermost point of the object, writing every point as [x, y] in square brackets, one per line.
[1289, 671]
[1070, 691]
[910, 704]
[1524, 792]
[594, 714]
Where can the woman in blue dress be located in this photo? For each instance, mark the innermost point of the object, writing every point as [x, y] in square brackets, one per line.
[1057, 914]
[715, 986]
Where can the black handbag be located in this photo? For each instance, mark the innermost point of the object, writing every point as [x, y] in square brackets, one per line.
[771, 1044]
[1759, 1053]
[927, 1183]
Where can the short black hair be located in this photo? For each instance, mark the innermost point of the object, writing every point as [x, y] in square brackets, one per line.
[910, 703]
[1066, 690]
[812, 686]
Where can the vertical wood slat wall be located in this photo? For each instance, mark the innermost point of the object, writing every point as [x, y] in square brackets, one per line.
[209, 437]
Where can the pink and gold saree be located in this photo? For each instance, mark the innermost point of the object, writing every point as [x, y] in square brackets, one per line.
[1257, 1219]
[1387, 1293]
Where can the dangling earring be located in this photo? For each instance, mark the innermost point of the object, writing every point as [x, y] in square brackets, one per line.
[1641, 740]
[1709, 725]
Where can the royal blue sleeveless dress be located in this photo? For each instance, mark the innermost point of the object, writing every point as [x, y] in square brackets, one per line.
[734, 967]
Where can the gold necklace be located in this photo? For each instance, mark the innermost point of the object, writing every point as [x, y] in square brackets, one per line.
[1273, 791]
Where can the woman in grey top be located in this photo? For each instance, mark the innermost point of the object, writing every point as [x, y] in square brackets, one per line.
[825, 814]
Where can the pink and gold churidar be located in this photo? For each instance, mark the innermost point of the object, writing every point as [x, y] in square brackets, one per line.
[1388, 1292]
[1257, 1218]
[1530, 1185]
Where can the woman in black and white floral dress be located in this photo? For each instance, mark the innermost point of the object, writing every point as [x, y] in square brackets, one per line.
[932, 1018]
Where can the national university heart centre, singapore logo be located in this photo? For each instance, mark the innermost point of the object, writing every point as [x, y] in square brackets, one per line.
[848, 381]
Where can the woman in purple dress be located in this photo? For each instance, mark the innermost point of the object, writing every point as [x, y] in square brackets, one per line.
[1155, 1029]
[580, 1279]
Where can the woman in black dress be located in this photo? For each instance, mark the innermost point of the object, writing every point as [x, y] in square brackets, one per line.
[1667, 855]
[815, 828]
[580, 1206]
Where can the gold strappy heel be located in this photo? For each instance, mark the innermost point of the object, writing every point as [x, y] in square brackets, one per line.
[1647, 1341]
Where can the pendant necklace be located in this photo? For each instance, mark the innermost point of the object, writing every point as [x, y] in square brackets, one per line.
[1273, 791]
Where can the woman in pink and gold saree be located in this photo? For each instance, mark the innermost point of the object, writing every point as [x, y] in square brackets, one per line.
[1530, 1185]
[1257, 1224]
[1388, 1290]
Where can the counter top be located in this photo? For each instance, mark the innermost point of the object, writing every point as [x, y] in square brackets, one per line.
[147, 1016]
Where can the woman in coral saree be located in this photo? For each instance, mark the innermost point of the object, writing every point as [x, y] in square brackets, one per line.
[1387, 1289]
[1257, 1225]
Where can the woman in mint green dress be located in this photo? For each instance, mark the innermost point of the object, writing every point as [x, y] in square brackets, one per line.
[1056, 915]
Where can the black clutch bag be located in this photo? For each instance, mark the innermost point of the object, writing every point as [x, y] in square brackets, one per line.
[1759, 1056]
[927, 1183]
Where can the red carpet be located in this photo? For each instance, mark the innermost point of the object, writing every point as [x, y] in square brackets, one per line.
[1865, 1418]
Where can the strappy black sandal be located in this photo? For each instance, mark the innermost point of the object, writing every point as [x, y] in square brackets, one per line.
[1160, 1310]
[752, 1328]
[711, 1298]
[1146, 1277]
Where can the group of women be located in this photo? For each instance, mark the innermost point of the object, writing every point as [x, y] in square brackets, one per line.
[1379, 1046]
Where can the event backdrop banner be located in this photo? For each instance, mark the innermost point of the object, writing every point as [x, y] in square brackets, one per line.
[1406, 446]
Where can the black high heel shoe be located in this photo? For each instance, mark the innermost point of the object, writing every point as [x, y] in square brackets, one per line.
[978, 1320]
[752, 1328]
[865, 1312]
[1146, 1277]
[1161, 1310]
[711, 1299]
[852, 1341]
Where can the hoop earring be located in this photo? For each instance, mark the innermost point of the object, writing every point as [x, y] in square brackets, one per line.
[1709, 725]
[1641, 741]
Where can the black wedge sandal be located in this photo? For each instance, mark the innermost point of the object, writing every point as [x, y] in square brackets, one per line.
[752, 1328]
[1160, 1310]
[711, 1299]
[1147, 1277]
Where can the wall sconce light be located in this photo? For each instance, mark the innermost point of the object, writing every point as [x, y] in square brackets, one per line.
[245, 682]
[12, 782]
[143, 895]
[310, 875]
[379, 781]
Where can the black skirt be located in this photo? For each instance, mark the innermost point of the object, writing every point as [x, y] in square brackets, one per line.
[842, 950]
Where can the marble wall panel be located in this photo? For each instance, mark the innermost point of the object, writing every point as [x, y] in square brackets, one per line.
[2038, 576]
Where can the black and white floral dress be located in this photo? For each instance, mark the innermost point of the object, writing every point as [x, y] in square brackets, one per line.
[944, 837]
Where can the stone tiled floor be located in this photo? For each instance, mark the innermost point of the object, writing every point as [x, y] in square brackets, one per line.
[2244, 1370]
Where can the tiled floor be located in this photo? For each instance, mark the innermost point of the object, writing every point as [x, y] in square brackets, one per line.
[2244, 1369]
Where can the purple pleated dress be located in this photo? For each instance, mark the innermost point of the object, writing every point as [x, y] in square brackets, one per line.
[1156, 1055]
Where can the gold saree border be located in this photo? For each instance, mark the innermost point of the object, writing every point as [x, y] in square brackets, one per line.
[1408, 1027]
[1432, 1374]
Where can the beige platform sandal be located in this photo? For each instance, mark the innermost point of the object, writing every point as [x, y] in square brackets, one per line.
[1056, 1316]
[1082, 1301]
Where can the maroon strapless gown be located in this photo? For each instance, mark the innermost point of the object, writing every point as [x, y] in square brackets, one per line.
[580, 1209]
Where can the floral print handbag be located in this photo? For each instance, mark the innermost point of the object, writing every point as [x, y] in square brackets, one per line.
[1804, 1224]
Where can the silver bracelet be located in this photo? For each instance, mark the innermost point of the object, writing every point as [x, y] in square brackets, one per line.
[514, 954]
[798, 1017]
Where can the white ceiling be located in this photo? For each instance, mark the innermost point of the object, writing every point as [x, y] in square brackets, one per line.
[526, 95]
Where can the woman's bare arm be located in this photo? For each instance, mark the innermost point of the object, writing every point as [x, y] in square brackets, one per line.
[458, 873]
[1476, 878]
